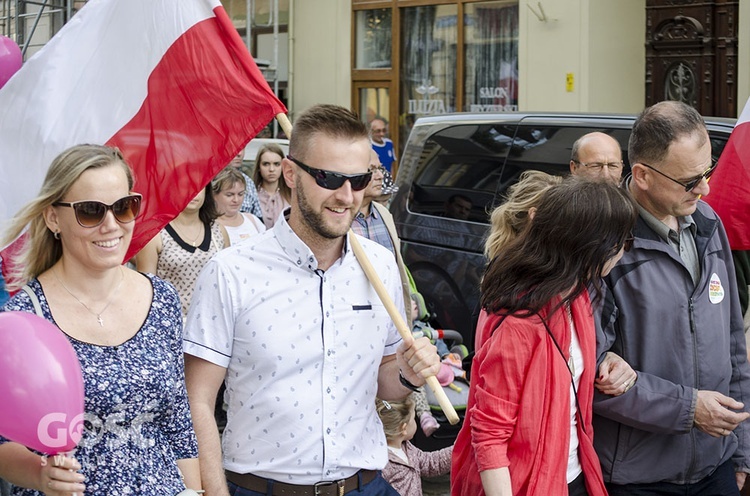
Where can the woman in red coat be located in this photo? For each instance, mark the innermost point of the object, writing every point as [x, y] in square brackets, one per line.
[528, 428]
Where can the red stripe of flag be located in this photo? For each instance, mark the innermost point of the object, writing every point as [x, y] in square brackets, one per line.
[730, 187]
[206, 100]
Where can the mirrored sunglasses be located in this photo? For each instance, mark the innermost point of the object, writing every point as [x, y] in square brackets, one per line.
[334, 180]
[90, 213]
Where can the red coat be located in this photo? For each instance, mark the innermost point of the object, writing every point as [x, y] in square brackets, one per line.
[518, 414]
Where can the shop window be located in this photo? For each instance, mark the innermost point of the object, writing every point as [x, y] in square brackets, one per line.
[491, 56]
[373, 102]
[429, 36]
[373, 39]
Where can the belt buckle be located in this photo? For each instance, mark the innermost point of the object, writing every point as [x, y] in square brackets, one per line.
[339, 484]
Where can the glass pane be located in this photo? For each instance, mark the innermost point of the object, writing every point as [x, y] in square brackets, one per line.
[548, 148]
[263, 14]
[491, 46]
[373, 39]
[461, 161]
[428, 63]
[373, 102]
[237, 12]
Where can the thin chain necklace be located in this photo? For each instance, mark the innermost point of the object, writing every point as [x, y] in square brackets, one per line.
[111, 299]
[194, 242]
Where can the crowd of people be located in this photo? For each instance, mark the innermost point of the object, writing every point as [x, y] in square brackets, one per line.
[249, 354]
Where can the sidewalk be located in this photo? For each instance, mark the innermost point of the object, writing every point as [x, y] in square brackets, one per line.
[436, 486]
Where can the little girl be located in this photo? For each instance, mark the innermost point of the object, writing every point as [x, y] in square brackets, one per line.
[407, 464]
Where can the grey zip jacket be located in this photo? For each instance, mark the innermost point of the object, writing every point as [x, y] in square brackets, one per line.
[679, 338]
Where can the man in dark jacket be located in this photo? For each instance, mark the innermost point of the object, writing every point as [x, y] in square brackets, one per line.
[672, 311]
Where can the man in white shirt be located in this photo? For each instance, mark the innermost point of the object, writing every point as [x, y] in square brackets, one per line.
[289, 320]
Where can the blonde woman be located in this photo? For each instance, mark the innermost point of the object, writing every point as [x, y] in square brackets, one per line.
[124, 326]
[512, 216]
[228, 189]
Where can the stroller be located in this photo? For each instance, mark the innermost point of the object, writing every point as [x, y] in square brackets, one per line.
[452, 377]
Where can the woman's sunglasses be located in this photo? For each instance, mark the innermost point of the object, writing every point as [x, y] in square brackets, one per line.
[334, 180]
[90, 213]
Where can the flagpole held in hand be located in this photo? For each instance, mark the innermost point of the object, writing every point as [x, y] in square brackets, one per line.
[398, 319]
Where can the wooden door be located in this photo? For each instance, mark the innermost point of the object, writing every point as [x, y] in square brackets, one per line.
[691, 54]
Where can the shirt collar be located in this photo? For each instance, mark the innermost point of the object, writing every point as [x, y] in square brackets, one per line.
[660, 228]
[297, 250]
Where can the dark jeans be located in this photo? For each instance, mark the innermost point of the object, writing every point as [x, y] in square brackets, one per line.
[721, 483]
[578, 486]
[377, 487]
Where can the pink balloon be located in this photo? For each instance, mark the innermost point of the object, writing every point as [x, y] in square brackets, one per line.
[41, 385]
[11, 59]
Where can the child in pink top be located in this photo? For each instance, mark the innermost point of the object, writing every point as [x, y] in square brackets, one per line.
[407, 464]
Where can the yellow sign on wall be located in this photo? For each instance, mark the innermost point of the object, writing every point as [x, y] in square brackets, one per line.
[569, 82]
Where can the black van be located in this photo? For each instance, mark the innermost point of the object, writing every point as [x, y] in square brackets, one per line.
[472, 159]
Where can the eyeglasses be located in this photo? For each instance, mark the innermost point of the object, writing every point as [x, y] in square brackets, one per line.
[600, 165]
[334, 180]
[90, 213]
[691, 184]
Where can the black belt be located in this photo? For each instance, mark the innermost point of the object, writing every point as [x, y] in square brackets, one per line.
[325, 488]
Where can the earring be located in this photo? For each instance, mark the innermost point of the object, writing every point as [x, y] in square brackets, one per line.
[56, 235]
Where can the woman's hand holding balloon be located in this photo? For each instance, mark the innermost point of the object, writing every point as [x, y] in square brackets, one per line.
[59, 476]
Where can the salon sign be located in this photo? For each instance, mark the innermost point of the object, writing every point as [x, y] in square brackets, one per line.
[497, 93]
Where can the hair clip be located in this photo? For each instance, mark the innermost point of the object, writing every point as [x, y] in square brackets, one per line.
[386, 405]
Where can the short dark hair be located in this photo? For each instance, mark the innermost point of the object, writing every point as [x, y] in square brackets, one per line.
[660, 125]
[329, 120]
[578, 226]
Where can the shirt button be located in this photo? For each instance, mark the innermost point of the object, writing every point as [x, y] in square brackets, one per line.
[299, 262]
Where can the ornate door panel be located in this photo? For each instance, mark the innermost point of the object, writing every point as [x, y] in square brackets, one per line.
[691, 54]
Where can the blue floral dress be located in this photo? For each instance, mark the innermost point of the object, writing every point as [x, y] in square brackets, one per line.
[137, 419]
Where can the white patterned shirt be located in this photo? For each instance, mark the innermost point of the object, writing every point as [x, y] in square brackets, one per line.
[302, 349]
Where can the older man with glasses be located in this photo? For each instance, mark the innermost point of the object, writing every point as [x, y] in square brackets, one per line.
[289, 321]
[672, 312]
[597, 156]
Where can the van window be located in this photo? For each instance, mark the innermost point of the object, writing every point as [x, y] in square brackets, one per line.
[548, 148]
[457, 164]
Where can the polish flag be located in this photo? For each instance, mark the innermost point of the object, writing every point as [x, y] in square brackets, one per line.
[730, 184]
[168, 82]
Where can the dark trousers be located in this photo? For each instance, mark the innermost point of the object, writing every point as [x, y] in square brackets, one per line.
[721, 483]
[377, 487]
[578, 486]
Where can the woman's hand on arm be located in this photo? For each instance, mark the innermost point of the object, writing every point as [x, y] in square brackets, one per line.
[496, 482]
[615, 376]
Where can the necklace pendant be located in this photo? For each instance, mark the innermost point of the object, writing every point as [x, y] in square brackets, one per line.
[101, 322]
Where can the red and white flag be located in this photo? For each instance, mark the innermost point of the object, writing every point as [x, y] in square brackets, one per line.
[730, 184]
[168, 82]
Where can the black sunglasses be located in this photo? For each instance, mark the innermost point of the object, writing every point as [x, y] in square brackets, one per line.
[690, 185]
[90, 213]
[334, 180]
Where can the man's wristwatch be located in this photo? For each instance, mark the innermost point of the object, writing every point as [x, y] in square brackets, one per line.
[404, 382]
